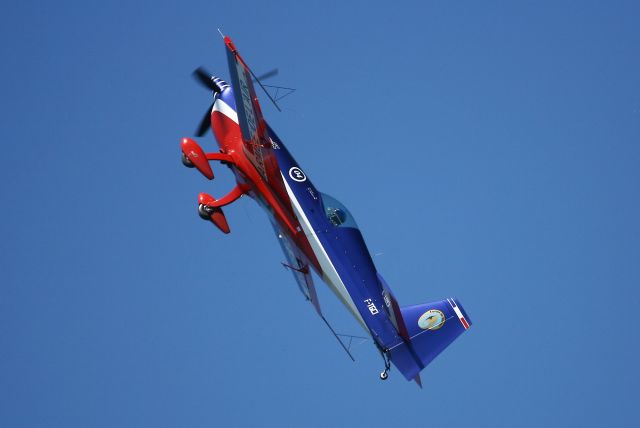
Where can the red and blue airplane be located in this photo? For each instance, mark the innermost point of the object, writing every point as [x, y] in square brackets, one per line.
[316, 231]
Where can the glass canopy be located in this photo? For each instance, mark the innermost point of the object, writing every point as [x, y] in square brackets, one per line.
[337, 213]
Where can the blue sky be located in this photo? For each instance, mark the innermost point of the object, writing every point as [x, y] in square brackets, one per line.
[488, 150]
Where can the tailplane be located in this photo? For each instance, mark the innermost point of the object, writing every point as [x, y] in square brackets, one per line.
[430, 327]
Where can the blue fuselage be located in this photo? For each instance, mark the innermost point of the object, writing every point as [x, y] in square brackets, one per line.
[345, 262]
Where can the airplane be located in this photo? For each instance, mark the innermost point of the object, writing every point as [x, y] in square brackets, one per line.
[317, 232]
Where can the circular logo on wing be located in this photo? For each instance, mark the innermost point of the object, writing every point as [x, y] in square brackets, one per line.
[433, 319]
[296, 174]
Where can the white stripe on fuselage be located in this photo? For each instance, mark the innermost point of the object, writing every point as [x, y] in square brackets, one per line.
[330, 273]
[225, 109]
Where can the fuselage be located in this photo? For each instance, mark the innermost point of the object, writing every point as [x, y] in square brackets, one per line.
[319, 226]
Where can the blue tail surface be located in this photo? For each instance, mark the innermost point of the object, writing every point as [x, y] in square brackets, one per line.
[430, 328]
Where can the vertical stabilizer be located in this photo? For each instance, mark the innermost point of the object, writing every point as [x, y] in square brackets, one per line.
[431, 327]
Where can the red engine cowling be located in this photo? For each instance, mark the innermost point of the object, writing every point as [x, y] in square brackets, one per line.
[196, 156]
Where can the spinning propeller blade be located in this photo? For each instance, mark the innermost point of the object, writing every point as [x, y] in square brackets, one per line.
[205, 79]
[205, 123]
[268, 74]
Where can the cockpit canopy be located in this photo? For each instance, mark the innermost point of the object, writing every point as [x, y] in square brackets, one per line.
[337, 213]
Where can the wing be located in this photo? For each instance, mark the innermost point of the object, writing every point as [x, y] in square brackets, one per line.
[252, 124]
[299, 268]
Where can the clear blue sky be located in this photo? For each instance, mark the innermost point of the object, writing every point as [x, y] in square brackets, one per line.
[489, 150]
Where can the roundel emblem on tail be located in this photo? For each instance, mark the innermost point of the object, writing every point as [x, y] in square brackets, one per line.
[433, 319]
[296, 174]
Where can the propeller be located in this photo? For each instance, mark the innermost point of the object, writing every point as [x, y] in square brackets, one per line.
[206, 79]
[205, 123]
[268, 74]
[203, 77]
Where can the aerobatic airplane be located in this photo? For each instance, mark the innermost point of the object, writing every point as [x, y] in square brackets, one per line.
[316, 231]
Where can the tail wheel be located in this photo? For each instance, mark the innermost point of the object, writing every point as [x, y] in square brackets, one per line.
[384, 375]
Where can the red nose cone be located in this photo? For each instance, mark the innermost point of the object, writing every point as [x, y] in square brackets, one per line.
[196, 155]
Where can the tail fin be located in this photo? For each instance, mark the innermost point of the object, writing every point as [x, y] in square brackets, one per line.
[431, 328]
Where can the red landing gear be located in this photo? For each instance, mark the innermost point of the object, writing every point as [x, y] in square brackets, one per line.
[215, 215]
[210, 208]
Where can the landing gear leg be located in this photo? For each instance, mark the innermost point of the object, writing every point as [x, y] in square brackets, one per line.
[387, 364]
